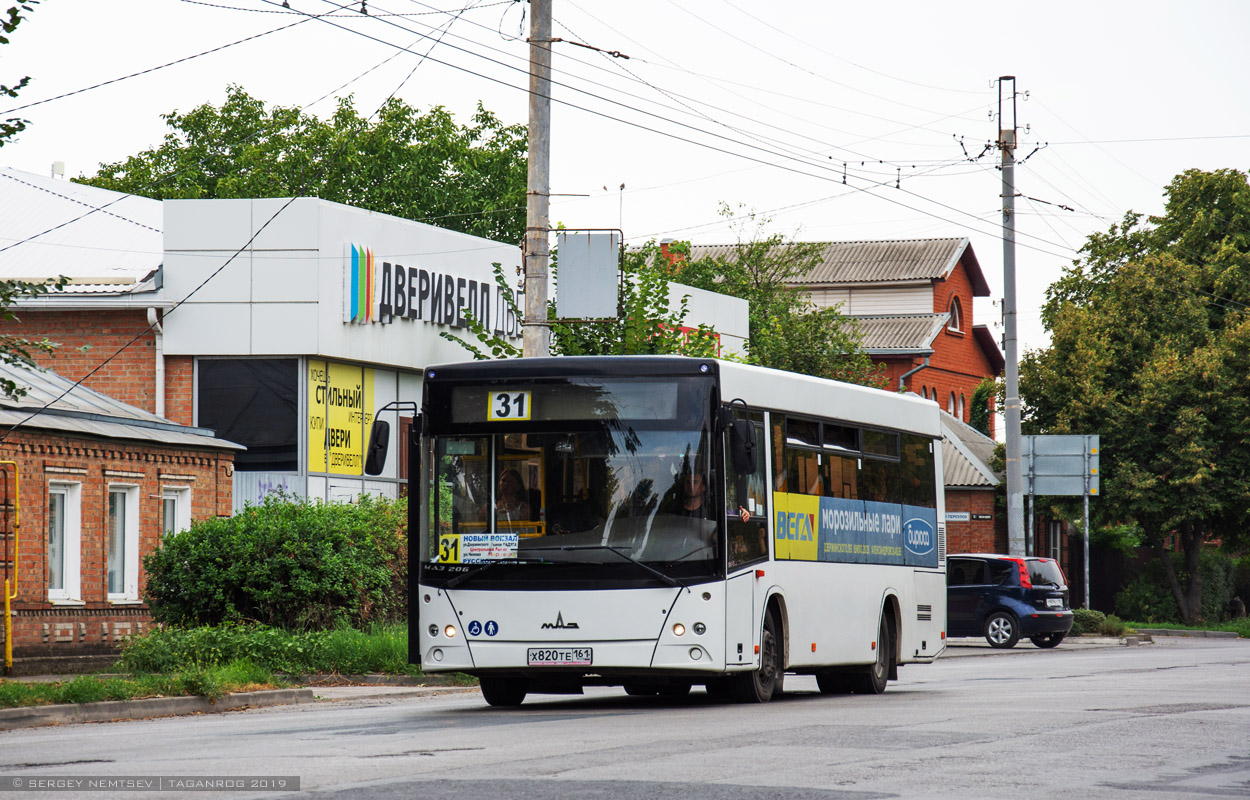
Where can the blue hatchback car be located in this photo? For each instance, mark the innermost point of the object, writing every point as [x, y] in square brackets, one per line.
[1004, 598]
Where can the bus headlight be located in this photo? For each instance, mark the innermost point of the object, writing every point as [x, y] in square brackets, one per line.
[679, 629]
[699, 628]
[433, 630]
[450, 631]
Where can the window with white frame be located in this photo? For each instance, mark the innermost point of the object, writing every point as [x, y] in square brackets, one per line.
[64, 546]
[961, 408]
[950, 404]
[175, 509]
[122, 543]
[956, 316]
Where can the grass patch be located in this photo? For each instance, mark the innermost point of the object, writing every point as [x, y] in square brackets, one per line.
[210, 683]
[343, 651]
[1239, 626]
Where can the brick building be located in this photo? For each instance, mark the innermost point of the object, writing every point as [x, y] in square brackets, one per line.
[100, 483]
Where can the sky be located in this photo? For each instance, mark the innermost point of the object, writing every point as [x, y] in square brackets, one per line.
[815, 120]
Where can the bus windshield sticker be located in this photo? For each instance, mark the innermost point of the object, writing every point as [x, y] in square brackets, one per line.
[508, 406]
[480, 548]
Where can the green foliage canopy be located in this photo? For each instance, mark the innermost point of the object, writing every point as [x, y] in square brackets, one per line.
[1150, 348]
[418, 166]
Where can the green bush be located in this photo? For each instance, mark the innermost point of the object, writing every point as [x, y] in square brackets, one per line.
[1087, 620]
[1149, 598]
[1112, 626]
[383, 648]
[285, 563]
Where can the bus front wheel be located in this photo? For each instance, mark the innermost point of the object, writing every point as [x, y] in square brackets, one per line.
[760, 685]
[499, 691]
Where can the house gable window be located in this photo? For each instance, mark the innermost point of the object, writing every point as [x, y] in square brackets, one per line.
[955, 323]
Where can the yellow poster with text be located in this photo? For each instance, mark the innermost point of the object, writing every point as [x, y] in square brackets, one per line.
[340, 412]
[796, 526]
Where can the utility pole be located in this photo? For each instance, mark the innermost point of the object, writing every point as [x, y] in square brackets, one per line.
[1011, 408]
[536, 336]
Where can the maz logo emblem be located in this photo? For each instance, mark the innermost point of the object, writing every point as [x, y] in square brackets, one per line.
[559, 623]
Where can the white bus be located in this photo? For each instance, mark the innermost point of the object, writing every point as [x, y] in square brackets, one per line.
[660, 522]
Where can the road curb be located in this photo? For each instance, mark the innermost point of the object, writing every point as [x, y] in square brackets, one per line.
[1192, 634]
[339, 694]
[35, 716]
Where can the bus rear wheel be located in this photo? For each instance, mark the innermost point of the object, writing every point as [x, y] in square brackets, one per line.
[503, 692]
[760, 685]
[873, 678]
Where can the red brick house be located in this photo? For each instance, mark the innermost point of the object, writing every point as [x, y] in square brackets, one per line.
[100, 483]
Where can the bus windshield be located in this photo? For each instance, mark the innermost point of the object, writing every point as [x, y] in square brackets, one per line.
[600, 497]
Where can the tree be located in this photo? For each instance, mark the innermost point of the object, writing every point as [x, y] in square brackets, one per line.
[1150, 348]
[979, 410]
[786, 331]
[13, 125]
[417, 166]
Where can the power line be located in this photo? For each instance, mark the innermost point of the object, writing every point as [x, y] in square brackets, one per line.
[154, 69]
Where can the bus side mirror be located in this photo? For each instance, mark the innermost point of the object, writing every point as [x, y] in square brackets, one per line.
[742, 446]
[379, 442]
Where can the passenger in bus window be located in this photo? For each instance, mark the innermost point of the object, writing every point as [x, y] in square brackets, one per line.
[511, 501]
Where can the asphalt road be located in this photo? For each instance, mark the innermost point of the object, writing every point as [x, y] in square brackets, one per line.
[1166, 720]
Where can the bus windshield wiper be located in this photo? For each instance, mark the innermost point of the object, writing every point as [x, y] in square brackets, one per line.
[669, 579]
[464, 576]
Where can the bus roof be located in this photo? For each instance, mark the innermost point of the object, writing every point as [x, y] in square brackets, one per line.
[759, 387]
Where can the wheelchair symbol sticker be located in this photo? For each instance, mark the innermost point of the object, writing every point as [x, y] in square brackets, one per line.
[475, 627]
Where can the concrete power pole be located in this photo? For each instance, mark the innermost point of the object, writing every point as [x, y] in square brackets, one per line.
[1011, 409]
[536, 336]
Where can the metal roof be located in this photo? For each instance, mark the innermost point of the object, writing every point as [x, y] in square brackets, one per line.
[889, 334]
[86, 411]
[966, 453]
[890, 261]
[106, 242]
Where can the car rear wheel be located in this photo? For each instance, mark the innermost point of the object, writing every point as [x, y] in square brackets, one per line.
[1001, 630]
[1047, 640]
[503, 691]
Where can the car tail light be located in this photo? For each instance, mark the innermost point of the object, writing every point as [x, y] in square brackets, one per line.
[1024, 572]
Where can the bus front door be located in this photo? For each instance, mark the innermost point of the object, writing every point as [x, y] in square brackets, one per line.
[740, 618]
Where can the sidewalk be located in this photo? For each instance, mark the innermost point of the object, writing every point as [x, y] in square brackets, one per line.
[336, 689]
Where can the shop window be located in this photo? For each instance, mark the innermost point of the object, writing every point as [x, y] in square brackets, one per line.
[64, 542]
[175, 509]
[122, 543]
[254, 402]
